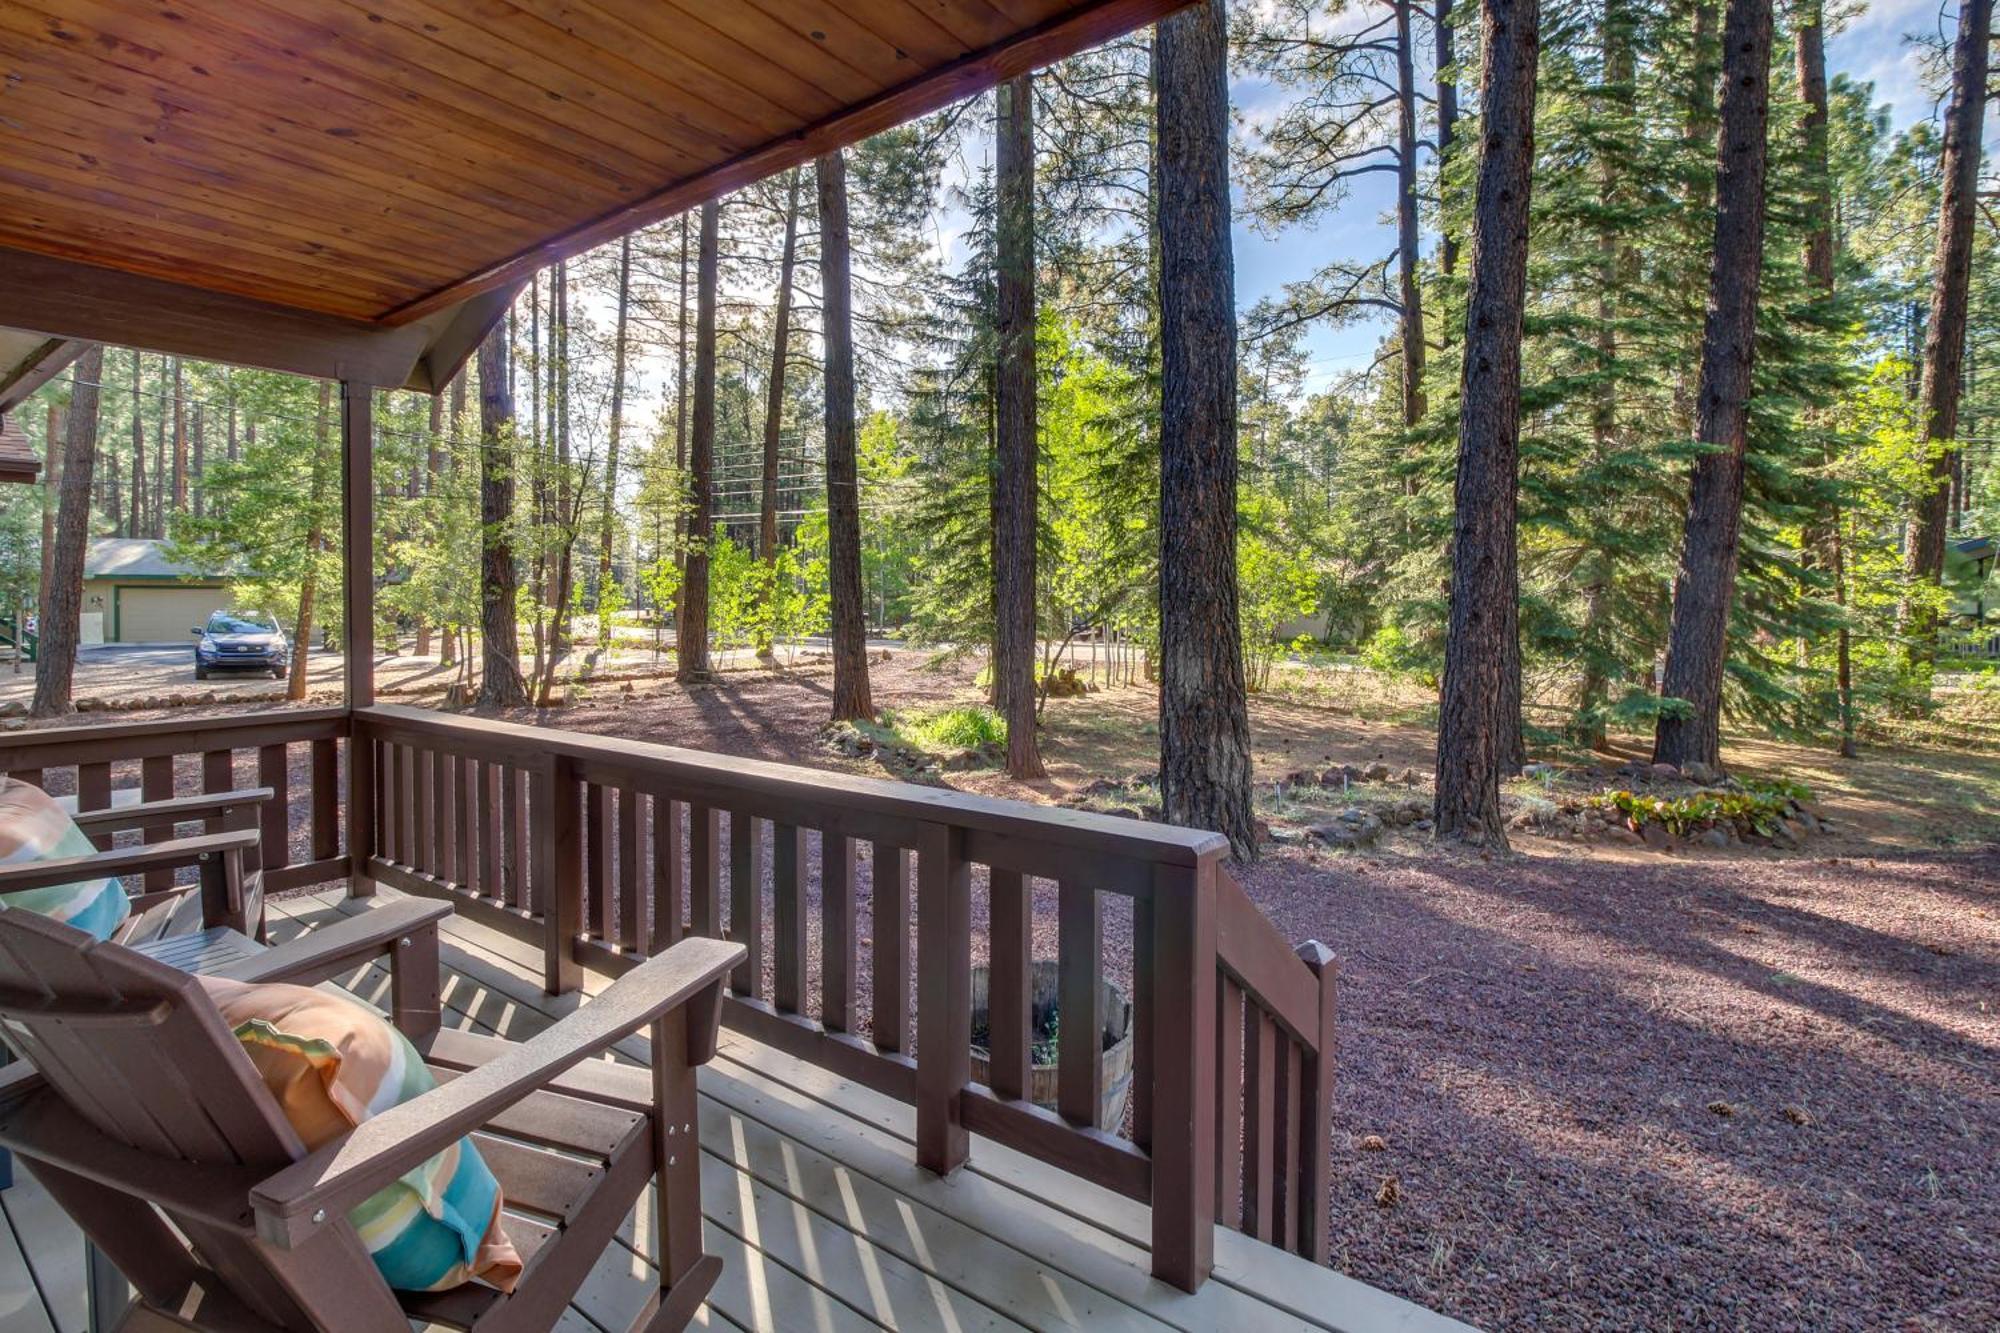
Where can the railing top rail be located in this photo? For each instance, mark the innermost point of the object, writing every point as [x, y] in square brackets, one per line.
[1130, 838]
[88, 742]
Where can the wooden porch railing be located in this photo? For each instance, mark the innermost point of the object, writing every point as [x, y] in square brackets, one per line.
[213, 754]
[602, 851]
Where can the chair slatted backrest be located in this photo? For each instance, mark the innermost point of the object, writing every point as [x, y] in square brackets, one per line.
[138, 1051]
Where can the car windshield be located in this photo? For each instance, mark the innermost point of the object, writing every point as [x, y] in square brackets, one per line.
[241, 624]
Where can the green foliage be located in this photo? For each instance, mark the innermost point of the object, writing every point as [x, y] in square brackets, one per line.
[1756, 808]
[971, 727]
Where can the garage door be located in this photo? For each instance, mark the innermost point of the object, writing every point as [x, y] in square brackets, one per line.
[165, 615]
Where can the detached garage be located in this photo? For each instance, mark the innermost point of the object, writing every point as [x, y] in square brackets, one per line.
[134, 593]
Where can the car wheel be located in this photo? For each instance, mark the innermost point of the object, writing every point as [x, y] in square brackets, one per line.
[279, 673]
[200, 672]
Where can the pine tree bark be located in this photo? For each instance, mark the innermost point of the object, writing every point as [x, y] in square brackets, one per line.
[1204, 714]
[138, 524]
[1705, 587]
[1409, 293]
[1825, 545]
[692, 623]
[1445, 41]
[295, 677]
[851, 695]
[61, 608]
[774, 387]
[608, 521]
[1944, 334]
[500, 683]
[1016, 442]
[180, 444]
[1479, 702]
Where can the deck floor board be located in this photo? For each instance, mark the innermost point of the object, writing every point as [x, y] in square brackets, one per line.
[811, 1196]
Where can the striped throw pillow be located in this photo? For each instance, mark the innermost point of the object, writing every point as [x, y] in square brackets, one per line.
[332, 1063]
[34, 828]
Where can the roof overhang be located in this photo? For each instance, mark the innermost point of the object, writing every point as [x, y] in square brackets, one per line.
[352, 194]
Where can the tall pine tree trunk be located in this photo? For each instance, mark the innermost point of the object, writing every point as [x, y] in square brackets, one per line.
[774, 402]
[1409, 294]
[692, 646]
[851, 696]
[1478, 710]
[681, 405]
[61, 609]
[180, 444]
[500, 683]
[607, 536]
[295, 680]
[1944, 334]
[138, 524]
[1705, 587]
[1204, 714]
[1825, 542]
[1445, 41]
[1016, 445]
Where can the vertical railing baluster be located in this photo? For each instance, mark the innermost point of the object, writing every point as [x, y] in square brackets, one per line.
[1184, 1072]
[1229, 1103]
[465, 805]
[837, 949]
[218, 774]
[1260, 1097]
[423, 844]
[558, 856]
[487, 782]
[407, 850]
[444, 826]
[631, 905]
[1145, 986]
[705, 871]
[890, 898]
[944, 996]
[274, 770]
[1009, 982]
[1316, 1117]
[746, 899]
[156, 783]
[513, 840]
[93, 792]
[1080, 1048]
[789, 857]
[669, 874]
[1285, 1147]
[326, 798]
[596, 905]
[362, 808]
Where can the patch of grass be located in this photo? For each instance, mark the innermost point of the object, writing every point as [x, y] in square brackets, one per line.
[967, 727]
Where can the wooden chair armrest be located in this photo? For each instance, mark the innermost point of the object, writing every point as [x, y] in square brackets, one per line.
[387, 928]
[169, 855]
[322, 1186]
[170, 812]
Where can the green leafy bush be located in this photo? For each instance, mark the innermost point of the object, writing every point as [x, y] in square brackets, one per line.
[972, 727]
[1756, 808]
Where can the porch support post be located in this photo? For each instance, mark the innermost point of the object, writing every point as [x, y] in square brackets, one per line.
[357, 499]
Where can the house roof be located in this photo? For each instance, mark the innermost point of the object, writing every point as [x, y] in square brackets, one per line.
[17, 453]
[139, 558]
[356, 191]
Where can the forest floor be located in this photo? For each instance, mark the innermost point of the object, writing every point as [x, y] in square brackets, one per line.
[1615, 1089]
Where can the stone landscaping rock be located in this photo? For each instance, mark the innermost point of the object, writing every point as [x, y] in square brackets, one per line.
[1376, 772]
[1697, 771]
[14, 708]
[1351, 828]
[1665, 772]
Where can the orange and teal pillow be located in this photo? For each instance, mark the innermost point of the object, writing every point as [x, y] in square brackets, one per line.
[332, 1063]
[34, 828]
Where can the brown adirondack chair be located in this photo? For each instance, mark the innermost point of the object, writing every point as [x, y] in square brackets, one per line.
[136, 1108]
[229, 890]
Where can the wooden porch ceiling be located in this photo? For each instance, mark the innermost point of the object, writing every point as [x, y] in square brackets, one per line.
[340, 170]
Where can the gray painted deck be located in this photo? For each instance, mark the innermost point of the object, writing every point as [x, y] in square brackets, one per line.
[813, 1200]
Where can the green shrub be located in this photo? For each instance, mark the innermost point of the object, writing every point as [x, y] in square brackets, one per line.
[971, 727]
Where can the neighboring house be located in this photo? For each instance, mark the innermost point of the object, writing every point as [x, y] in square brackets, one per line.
[134, 593]
[1968, 563]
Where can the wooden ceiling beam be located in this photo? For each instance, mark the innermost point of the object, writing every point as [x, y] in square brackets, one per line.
[1085, 26]
[37, 368]
[66, 300]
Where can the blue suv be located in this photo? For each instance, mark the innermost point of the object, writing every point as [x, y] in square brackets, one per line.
[241, 641]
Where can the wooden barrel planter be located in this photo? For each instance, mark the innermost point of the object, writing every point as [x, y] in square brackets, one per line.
[1044, 1026]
